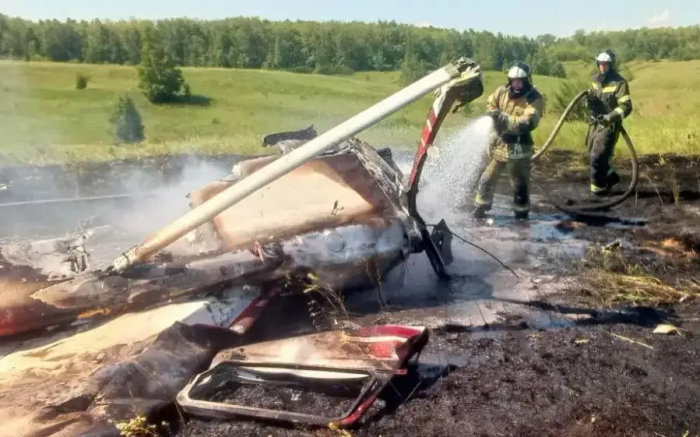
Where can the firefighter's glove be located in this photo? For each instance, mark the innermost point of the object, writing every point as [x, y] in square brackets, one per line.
[593, 101]
[500, 120]
[495, 114]
[607, 119]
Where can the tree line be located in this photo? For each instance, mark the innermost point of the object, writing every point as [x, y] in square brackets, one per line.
[325, 47]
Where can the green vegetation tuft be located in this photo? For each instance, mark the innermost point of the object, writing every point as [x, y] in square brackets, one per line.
[128, 127]
[562, 97]
[81, 81]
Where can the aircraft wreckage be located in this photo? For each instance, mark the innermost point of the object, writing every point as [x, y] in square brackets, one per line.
[330, 207]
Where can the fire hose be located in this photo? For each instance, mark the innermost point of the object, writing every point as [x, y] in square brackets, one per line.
[583, 208]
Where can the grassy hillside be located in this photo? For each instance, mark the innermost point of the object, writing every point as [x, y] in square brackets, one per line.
[45, 119]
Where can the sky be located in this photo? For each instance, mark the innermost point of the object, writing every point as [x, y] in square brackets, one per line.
[520, 17]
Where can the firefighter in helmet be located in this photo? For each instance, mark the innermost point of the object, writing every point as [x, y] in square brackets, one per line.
[516, 109]
[609, 102]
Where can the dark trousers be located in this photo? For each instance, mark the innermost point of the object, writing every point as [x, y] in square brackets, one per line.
[519, 174]
[601, 148]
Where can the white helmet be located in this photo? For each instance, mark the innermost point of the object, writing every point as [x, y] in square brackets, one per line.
[606, 56]
[520, 70]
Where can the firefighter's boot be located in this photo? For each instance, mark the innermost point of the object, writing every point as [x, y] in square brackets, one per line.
[522, 215]
[612, 180]
[478, 212]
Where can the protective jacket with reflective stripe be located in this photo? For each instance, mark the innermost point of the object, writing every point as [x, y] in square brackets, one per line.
[524, 114]
[614, 91]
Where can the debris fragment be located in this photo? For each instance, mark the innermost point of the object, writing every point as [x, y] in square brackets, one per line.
[615, 245]
[666, 329]
[627, 339]
[358, 363]
[342, 432]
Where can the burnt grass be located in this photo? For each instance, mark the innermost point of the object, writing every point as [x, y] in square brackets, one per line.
[659, 236]
[608, 375]
[334, 401]
[572, 382]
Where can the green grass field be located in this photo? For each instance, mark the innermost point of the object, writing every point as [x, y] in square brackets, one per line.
[45, 119]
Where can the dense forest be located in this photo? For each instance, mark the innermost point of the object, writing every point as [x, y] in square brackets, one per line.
[328, 47]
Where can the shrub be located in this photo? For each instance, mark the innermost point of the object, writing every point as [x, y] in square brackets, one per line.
[564, 95]
[302, 69]
[160, 79]
[127, 123]
[331, 70]
[81, 81]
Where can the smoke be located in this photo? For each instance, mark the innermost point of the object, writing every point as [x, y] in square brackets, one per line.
[169, 201]
[151, 202]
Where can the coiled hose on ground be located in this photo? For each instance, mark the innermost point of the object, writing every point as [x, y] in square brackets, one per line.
[583, 208]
